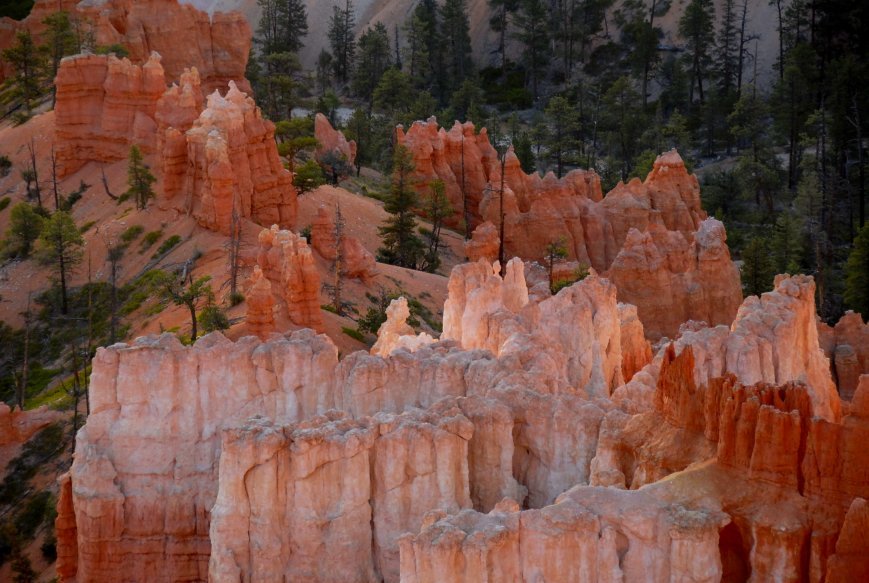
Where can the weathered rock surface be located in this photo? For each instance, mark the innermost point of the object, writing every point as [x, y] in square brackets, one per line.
[396, 333]
[286, 260]
[483, 244]
[463, 160]
[357, 261]
[370, 467]
[332, 141]
[217, 44]
[672, 279]
[260, 316]
[233, 163]
[847, 346]
[651, 237]
[104, 106]
[774, 340]
[144, 478]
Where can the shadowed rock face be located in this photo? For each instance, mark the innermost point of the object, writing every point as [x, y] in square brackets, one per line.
[847, 346]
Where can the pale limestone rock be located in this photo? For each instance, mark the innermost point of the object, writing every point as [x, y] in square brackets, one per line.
[774, 339]
[396, 334]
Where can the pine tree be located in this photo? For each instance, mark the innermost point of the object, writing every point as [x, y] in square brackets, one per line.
[561, 135]
[293, 24]
[60, 41]
[401, 245]
[757, 268]
[24, 228]
[455, 34]
[186, 292]
[556, 252]
[28, 62]
[60, 246]
[373, 61]
[500, 23]
[139, 180]
[696, 27]
[416, 54]
[533, 32]
[342, 41]
[786, 243]
[857, 275]
[437, 209]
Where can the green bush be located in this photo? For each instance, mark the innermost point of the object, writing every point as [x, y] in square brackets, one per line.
[354, 334]
[86, 227]
[150, 238]
[132, 233]
[4, 202]
[167, 246]
[236, 298]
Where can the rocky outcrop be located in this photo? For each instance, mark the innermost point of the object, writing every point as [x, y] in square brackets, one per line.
[774, 340]
[260, 316]
[104, 106]
[512, 448]
[463, 160]
[144, 477]
[218, 44]
[847, 347]
[233, 163]
[483, 244]
[672, 279]
[636, 351]
[650, 236]
[395, 333]
[286, 260]
[332, 141]
[213, 162]
[357, 261]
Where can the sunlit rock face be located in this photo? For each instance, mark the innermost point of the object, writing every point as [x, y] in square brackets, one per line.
[513, 447]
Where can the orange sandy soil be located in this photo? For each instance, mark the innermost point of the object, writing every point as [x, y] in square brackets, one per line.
[362, 215]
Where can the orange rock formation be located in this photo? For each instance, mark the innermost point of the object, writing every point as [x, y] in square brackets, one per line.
[260, 316]
[650, 236]
[212, 157]
[286, 260]
[104, 106]
[218, 45]
[847, 347]
[332, 141]
[504, 450]
[357, 261]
